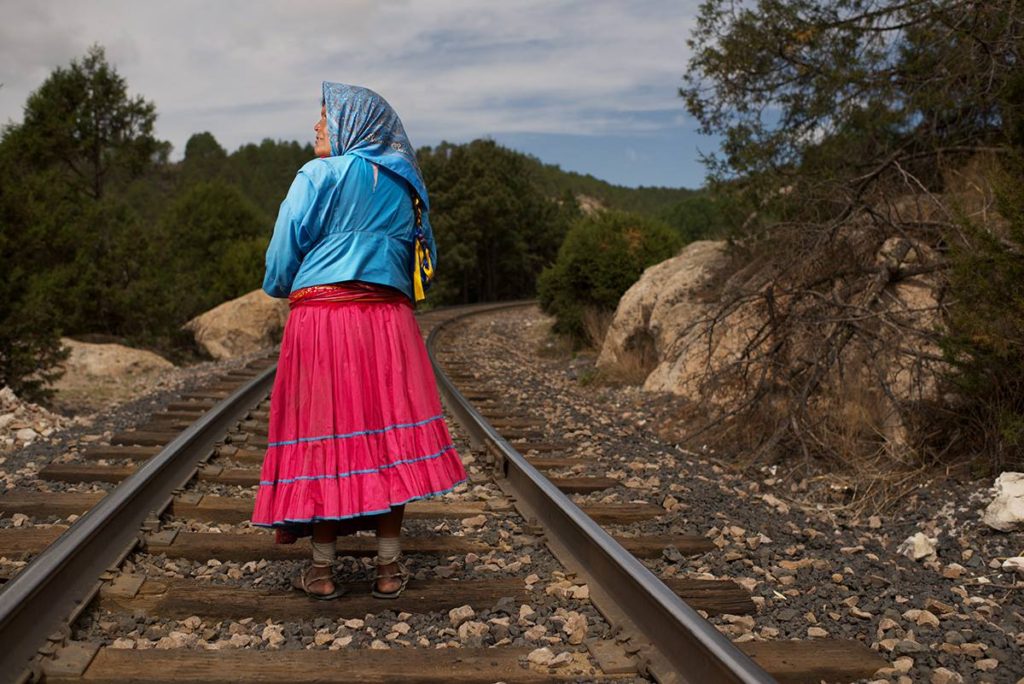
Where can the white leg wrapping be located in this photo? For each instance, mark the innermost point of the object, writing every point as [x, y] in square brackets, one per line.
[388, 548]
[324, 553]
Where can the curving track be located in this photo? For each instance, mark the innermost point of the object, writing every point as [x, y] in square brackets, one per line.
[195, 480]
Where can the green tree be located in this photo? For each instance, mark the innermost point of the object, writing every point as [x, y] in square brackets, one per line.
[495, 226]
[264, 172]
[204, 159]
[601, 257]
[985, 337]
[69, 242]
[839, 121]
[82, 120]
[210, 246]
[823, 92]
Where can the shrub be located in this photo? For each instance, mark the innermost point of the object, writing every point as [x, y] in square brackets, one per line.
[985, 336]
[602, 255]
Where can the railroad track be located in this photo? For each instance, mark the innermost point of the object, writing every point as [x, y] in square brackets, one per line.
[170, 546]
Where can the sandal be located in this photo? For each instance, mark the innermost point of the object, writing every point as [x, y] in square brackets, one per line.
[402, 572]
[301, 583]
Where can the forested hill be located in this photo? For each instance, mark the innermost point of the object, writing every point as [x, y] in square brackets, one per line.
[644, 200]
[262, 172]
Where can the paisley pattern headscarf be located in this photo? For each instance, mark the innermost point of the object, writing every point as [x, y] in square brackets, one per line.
[361, 122]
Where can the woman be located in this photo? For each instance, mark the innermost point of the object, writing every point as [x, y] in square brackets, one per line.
[356, 428]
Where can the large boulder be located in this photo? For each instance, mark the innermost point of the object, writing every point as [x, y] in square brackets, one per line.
[242, 326]
[1006, 512]
[695, 326]
[659, 314]
[96, 375]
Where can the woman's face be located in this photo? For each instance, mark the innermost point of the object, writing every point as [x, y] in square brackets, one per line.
[322, 146]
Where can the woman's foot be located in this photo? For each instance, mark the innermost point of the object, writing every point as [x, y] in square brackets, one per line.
[318, 581]
[387, 585]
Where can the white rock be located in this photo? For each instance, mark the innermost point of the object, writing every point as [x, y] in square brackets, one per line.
[472, 629]
[27, 435]
[918, 546]
[663, 323]
[340, 642]
[581, 591]
[1006, 512]
[535, 632]
[241, 326]
[575, 627]
[240, 640]
[460, 615]
[657, 308]
[273, 635]
[1015, 564]
[541, 656]
[942, 675]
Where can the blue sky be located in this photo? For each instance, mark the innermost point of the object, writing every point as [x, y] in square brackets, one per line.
[589, 85]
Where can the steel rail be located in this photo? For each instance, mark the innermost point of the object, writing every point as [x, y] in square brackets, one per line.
[63, 577]
[694, 650]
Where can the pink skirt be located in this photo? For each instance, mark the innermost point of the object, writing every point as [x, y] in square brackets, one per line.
[356, 425]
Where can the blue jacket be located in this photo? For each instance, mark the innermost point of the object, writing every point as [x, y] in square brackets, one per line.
[337, 223]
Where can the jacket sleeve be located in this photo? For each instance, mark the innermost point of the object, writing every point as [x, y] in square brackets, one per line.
[294, 233]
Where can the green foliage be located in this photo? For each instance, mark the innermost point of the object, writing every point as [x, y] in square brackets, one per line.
[704, 216]
[264, 172]
[213, 241]
[836, 117]
[204, 159]
[985, 338]
[601, 257]
[66, 241]
[816, 94]
[642, 200]
[82, 121]
[495, 227]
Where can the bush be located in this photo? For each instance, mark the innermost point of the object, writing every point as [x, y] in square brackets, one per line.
[985, 335]
[602, 255]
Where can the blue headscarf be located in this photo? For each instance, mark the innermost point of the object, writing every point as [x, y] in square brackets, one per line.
[361, 122]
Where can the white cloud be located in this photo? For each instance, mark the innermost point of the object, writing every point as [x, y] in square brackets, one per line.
[454, 69]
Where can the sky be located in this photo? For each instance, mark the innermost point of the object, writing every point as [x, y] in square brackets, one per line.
[591, 85]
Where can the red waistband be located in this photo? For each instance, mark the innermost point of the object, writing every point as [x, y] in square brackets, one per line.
[351, 291]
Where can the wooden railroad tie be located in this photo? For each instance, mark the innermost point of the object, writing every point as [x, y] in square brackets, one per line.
[180, 598]
[790, 662]
[23, 542]
[249, 477]
[234, 510]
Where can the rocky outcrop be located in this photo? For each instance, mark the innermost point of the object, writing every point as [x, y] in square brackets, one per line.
[1006, 512]
[241, 326]
[589, 205]
[660, 313]
[96, 375]
[707, 328]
